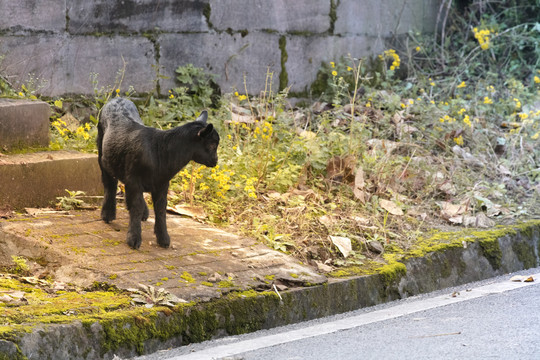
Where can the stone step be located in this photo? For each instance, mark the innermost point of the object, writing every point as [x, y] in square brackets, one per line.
[23, 124]
[36, 179]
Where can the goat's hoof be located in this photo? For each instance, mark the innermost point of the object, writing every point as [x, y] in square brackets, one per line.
[108, 217]
[134, 241]
[164, 242]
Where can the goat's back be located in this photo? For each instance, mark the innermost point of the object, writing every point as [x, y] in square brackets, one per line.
[119, 112]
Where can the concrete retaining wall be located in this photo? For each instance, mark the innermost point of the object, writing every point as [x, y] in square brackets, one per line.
[60, 42]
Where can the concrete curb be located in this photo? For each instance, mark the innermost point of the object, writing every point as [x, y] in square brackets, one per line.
[465, 258]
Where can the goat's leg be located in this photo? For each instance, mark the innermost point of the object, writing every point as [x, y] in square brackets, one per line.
[136, 205]
[160, 209]
[108, 209]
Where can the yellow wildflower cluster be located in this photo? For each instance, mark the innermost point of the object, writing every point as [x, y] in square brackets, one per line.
[265, 131]
[447, 118]
[249, 188]
[239, 96]
[190, 178]
[65, 132]
[483, 37]
[222, 178]
[391, 54]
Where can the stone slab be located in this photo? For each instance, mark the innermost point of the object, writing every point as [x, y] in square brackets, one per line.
[84, 249]
[301, 16]
[23, 123]
[136, 16]
[30, 15]
[231, 57]
[36, 179]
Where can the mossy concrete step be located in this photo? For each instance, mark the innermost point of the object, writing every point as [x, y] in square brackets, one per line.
[23, 123]
[450, 259]
[36, 179]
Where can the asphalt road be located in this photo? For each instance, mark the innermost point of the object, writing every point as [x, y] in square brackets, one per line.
[493, 319]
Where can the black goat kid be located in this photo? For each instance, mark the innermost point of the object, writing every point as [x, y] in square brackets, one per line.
[145, 159]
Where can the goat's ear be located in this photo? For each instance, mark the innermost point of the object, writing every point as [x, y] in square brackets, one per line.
[203, 117]
[206, 131]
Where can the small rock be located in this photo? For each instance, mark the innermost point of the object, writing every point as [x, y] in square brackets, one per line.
[215, 278]
[375, 246]
[323, 267]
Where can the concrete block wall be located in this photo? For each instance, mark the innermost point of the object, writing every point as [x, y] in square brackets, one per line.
[59, 43]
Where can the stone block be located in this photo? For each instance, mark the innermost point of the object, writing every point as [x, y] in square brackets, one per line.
[36, 179]
[106, 56]
[231, 57]
[312, 16]
[31, 15]
[306, 55]
[23, 123]
[35, 59]
[136, 16]
[60, 65]
[383, 18]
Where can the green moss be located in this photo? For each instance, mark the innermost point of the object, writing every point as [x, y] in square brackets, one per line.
[206, 283]
[225, 284]
[333, 15]
[283, 76]
[492, 251]
[187, 277]
[294, 275]
[392, 272]
[113, 276]
[270, 277]
[525, 254]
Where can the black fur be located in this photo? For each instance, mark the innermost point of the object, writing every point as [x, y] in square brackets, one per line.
[145, 159]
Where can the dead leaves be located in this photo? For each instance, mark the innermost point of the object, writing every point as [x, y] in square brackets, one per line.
[195, 212]
[391, 207]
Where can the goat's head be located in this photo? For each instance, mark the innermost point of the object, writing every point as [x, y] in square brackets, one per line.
[207, 143]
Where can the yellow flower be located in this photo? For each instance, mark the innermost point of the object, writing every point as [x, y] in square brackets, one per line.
[535, 136]
[242, 97]
[487, 100]
[467, 120]
[537, 79]
[236, 93]
[418, 48]
[171, 96]
[461, 111]
[518, 103]
[368, 104]
[459, 140]
[332, 64]
[334, 73]
[117, 92]
[523, 116]
[411, 101]
[21, 94]
[462, 85]
[350, 69]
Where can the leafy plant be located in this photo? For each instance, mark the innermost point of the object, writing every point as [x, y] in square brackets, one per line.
[72, 201]
[148, 296]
